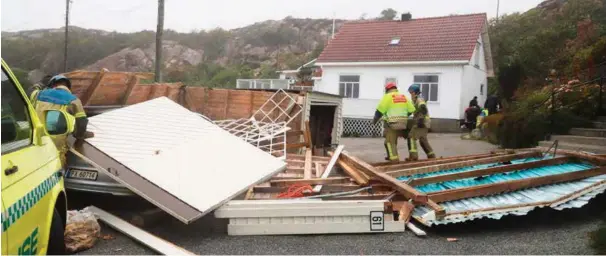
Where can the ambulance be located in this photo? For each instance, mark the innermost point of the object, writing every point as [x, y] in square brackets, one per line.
[34, 205]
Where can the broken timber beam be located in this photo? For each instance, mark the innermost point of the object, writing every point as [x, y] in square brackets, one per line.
[594, 159]
[316, 181]
[329, 167]
[488, 171]
[404, 189]
[307, 169]
[496, 188]
[466, 163]
[426, 162]
[357, 176]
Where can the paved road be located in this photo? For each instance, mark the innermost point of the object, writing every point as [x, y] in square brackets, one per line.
[543, 231]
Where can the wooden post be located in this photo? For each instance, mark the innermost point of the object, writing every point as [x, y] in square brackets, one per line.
[130, 85]
[92, 88]
[308, 162]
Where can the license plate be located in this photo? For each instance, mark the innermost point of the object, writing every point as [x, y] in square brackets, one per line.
[82, 174]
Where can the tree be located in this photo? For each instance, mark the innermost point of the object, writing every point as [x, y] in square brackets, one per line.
[388, 14]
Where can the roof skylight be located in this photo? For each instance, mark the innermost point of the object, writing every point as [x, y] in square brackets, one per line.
[394, 41]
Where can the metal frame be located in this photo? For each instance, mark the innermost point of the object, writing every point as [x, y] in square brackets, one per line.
[266, 128]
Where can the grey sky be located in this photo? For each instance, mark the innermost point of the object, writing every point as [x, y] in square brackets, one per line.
[188, 15]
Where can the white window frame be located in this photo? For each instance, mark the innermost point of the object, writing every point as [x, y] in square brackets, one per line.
[428, 100]
[349, 86]
[395, 80]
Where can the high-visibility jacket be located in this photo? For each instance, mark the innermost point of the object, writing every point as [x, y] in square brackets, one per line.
[395, 107]
[60, 98]
[418, 103]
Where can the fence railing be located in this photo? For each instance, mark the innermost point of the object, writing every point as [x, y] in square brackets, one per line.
[269, 84]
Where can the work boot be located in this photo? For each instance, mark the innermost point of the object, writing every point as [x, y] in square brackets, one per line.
[431, 155]
[414, 156]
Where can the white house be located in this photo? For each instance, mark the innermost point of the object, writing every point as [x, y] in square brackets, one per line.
[449, 56]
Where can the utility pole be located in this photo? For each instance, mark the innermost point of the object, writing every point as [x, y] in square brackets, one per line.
[334, 14]
[159, 30]
[498, 2]
[66, 35]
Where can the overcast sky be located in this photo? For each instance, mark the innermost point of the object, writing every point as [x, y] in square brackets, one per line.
[189, 15]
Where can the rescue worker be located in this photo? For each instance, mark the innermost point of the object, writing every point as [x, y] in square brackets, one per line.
[36, 88]
[419, 125]
[394, 109]
[58, 96]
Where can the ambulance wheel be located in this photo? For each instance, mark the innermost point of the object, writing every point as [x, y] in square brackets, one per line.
[56, 240]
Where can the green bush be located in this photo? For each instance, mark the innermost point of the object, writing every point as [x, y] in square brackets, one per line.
[529, 118]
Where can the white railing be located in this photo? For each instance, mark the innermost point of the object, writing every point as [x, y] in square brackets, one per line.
[269, 84]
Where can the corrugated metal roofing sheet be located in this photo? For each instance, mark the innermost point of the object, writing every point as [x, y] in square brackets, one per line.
[175, 149]
[558, 196]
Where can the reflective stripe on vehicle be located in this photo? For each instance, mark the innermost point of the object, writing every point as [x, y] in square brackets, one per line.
[24, 204]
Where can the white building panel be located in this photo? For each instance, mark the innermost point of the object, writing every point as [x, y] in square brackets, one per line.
[180, 152]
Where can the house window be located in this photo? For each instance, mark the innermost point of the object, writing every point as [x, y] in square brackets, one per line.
[429, 86]
[391, 80]
[482, 89]
[349, 86]
[477, 56]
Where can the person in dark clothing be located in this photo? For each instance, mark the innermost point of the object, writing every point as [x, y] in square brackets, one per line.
[473, 102]
[492, 104]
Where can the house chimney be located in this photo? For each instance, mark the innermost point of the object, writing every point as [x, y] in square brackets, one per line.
[406, 16]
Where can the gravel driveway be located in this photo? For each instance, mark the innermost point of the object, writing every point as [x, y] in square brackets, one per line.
[543, 231]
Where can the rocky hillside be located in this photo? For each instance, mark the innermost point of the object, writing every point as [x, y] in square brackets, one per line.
[272, 44]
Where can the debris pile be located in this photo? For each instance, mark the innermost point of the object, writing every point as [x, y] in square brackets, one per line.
[82, 230]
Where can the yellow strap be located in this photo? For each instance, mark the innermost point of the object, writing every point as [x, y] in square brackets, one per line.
[80, 114]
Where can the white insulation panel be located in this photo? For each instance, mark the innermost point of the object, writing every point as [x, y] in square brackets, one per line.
[289, 217]
[182, 153]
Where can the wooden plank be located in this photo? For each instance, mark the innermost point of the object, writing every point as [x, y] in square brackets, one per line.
[291, 156]
[92, 88]
[302, 162]
[496, 188]
[312, 181]
[488, 171]
[130, 85]
[296, 145]
[307, 169]
[353, 173]
[594, 159]
[329, 167]
[307, 134]
[465, 163]
[427, 162]
[326, 188]
[404, 189]
[412, 227]
[227, 104]
[153, 242]
[318, 168]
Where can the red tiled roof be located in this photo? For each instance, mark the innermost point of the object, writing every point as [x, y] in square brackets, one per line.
[426, 39]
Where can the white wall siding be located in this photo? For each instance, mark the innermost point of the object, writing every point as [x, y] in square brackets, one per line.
[473, 79]
[372, 82]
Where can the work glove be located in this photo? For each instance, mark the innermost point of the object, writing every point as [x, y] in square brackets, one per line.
[420, 123]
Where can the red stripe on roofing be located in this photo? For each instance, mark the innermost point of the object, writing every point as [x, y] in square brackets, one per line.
[426, 39]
